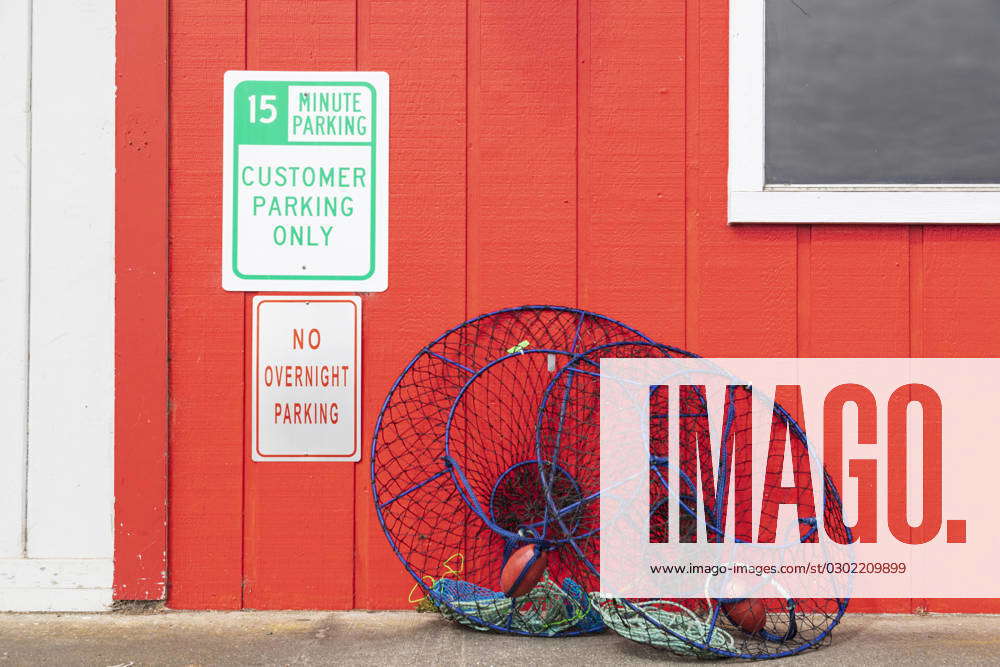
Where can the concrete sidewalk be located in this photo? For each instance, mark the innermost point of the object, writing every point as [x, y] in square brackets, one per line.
[408, 638]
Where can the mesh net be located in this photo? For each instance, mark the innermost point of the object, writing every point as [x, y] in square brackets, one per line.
[489, 441]
[568, 445]
[455, 478]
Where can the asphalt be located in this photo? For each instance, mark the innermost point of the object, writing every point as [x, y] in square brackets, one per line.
[409, 638]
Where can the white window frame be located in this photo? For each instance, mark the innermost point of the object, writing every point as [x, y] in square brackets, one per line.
[750, 200]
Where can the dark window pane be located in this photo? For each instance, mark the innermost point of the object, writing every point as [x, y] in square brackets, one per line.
[882, 91]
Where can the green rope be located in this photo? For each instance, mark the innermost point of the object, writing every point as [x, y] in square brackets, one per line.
[636, 625]
[546, 610]
[520, 347]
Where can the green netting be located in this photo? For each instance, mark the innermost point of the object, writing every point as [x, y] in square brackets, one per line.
[547, 610]
[634, 623]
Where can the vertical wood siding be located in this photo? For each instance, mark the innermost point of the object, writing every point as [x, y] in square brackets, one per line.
[541, 152]
[141, 301]
[298, 527]
[206, 329]
[423, 45]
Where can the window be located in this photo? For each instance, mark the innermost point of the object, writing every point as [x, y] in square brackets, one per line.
[864, 111]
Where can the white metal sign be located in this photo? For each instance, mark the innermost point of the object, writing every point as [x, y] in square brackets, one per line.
[306, 393]
[305, 181]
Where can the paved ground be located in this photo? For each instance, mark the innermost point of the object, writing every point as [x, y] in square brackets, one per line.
[408, 638]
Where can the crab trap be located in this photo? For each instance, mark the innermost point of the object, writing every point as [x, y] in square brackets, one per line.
[486, 480]
[708, 623]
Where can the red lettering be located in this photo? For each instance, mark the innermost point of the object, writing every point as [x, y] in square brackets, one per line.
[800, 493]
[734, 455]
[312, 338]
[864, 471]
[930, 403]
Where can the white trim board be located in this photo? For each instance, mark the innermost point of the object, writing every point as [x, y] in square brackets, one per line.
[70, 462]
[751, 201]
[57, 178]
[55, 584]
[15, 161]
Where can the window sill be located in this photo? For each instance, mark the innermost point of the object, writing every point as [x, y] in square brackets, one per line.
[956, 205]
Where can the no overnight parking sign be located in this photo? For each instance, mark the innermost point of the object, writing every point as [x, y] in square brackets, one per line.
[305, 181]
[306, 386]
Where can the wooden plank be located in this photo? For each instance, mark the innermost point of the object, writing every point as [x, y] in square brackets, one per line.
[960, 290]
[422, 46]
[856, 303]
[299, 517]
[141, 301]
[71, 384]
[522, 154]
[960, 293]
[741, 281]
[300, 35]
[55, 599]
[29, 573]
[631, 163]
[859, 293]
[205, 538]
[15, 52]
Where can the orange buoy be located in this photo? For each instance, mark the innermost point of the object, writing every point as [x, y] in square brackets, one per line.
[749, 614]
[523, 560]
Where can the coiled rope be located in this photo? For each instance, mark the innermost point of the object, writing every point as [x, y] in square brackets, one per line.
[547, 610]
[635, 625]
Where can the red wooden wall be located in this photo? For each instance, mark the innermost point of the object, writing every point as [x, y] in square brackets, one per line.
[541, 152]
[141, 300]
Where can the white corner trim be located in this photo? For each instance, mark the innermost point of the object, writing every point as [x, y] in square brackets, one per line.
[55, 584]
[70, 462]
[749, 201]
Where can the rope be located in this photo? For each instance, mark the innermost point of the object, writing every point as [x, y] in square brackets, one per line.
[547, 610]
[647, 626]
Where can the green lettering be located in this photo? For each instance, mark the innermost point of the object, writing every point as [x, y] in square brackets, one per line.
[326, 177]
